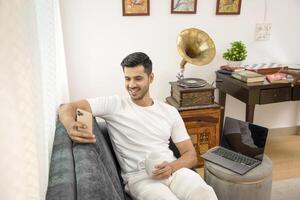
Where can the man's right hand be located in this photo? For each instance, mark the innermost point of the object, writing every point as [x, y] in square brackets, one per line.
[77, 131]
[78, 135]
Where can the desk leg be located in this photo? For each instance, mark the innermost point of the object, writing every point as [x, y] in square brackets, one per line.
[250, 113]
[222, 101]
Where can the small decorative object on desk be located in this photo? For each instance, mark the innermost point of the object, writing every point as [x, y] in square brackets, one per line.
[232, 69]
[226, 69]
[266, 68]
[236, 54]
[248, 76]
[278, 78]
[234, 63]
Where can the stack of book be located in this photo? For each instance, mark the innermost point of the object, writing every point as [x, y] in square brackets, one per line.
[225, 69]
[248, 76]
[277, 78]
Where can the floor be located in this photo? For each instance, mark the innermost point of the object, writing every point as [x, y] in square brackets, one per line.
[287, 189]
[284, 151]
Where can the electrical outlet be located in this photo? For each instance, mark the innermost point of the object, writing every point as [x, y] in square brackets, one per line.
[263, 31]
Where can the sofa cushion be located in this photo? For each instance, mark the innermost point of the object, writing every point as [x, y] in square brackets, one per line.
[62, 173]
[96, 172]
[103, 128]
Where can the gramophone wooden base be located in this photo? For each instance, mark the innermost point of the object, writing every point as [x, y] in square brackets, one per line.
[170, 100]
[189, 97]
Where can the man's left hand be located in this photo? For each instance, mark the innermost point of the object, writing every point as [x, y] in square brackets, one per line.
[163, 171]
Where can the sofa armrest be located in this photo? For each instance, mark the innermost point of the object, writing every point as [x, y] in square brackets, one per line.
[96, 173]
[61, 183]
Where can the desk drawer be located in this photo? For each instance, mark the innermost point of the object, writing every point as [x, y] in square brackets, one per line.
[296, 93]
[275, 95]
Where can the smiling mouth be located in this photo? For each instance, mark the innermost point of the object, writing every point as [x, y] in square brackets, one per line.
[133, 92]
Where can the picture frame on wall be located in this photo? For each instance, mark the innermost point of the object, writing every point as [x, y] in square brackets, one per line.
[228, 7]
[183, 6]
[136, 7]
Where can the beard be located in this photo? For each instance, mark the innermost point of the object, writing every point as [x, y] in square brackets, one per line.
[138, 94]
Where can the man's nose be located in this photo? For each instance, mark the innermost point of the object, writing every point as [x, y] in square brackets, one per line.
[132, 84]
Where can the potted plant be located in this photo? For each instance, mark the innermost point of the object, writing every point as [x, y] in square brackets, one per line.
[236, 54]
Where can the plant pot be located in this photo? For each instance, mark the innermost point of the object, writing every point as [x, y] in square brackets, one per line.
[234, 63]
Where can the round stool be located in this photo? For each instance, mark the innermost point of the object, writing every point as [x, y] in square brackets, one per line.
[254, 185]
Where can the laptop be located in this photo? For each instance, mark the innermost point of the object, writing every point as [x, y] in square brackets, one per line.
[242, 146]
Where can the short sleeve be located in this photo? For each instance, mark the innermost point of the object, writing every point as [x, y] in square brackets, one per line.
[102, 106]
[179, 132]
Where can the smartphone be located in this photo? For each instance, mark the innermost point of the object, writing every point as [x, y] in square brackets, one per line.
[86, 118]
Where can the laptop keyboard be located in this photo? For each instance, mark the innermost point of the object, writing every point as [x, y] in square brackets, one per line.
[234, 156]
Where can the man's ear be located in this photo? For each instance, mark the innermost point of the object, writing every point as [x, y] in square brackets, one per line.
[151, 77]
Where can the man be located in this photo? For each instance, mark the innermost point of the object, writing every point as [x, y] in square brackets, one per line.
[139, 125]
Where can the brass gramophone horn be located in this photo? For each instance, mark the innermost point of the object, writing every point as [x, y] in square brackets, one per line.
[195, 47]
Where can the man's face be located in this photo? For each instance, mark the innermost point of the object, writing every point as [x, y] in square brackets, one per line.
[137, 82]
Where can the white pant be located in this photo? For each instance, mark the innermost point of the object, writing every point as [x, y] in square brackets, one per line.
[184, 184]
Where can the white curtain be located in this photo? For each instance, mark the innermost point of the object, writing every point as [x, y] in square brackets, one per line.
[33, 83]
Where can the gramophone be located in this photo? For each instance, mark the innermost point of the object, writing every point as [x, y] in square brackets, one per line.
[195, 47]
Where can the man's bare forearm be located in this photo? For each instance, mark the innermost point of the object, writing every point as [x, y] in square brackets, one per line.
[187, 160]
[67, 115]
[67, 112]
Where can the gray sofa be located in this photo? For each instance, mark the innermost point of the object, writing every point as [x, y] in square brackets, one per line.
[86, 171]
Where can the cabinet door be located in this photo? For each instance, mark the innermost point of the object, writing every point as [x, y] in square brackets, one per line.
[203, 118]
[203, 138]
[203, 126]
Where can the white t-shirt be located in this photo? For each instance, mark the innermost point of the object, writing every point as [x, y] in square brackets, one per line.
[136, 131]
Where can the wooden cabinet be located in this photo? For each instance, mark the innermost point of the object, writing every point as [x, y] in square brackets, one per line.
[296, 93]
[203, 126]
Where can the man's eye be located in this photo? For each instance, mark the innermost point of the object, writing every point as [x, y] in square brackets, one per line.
[138, 78]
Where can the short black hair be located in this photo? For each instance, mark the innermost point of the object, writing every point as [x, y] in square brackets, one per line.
[138, 58]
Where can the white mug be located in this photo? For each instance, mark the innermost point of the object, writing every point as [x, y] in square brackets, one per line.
[153, 159]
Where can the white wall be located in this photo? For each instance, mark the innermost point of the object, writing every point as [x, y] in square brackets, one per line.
[97, 37]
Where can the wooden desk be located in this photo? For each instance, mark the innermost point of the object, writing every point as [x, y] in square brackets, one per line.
[255, 93]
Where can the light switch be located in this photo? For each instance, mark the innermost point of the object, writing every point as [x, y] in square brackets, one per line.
[263, 31]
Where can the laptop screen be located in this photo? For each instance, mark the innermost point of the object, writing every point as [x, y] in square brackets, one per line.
[245, 138]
